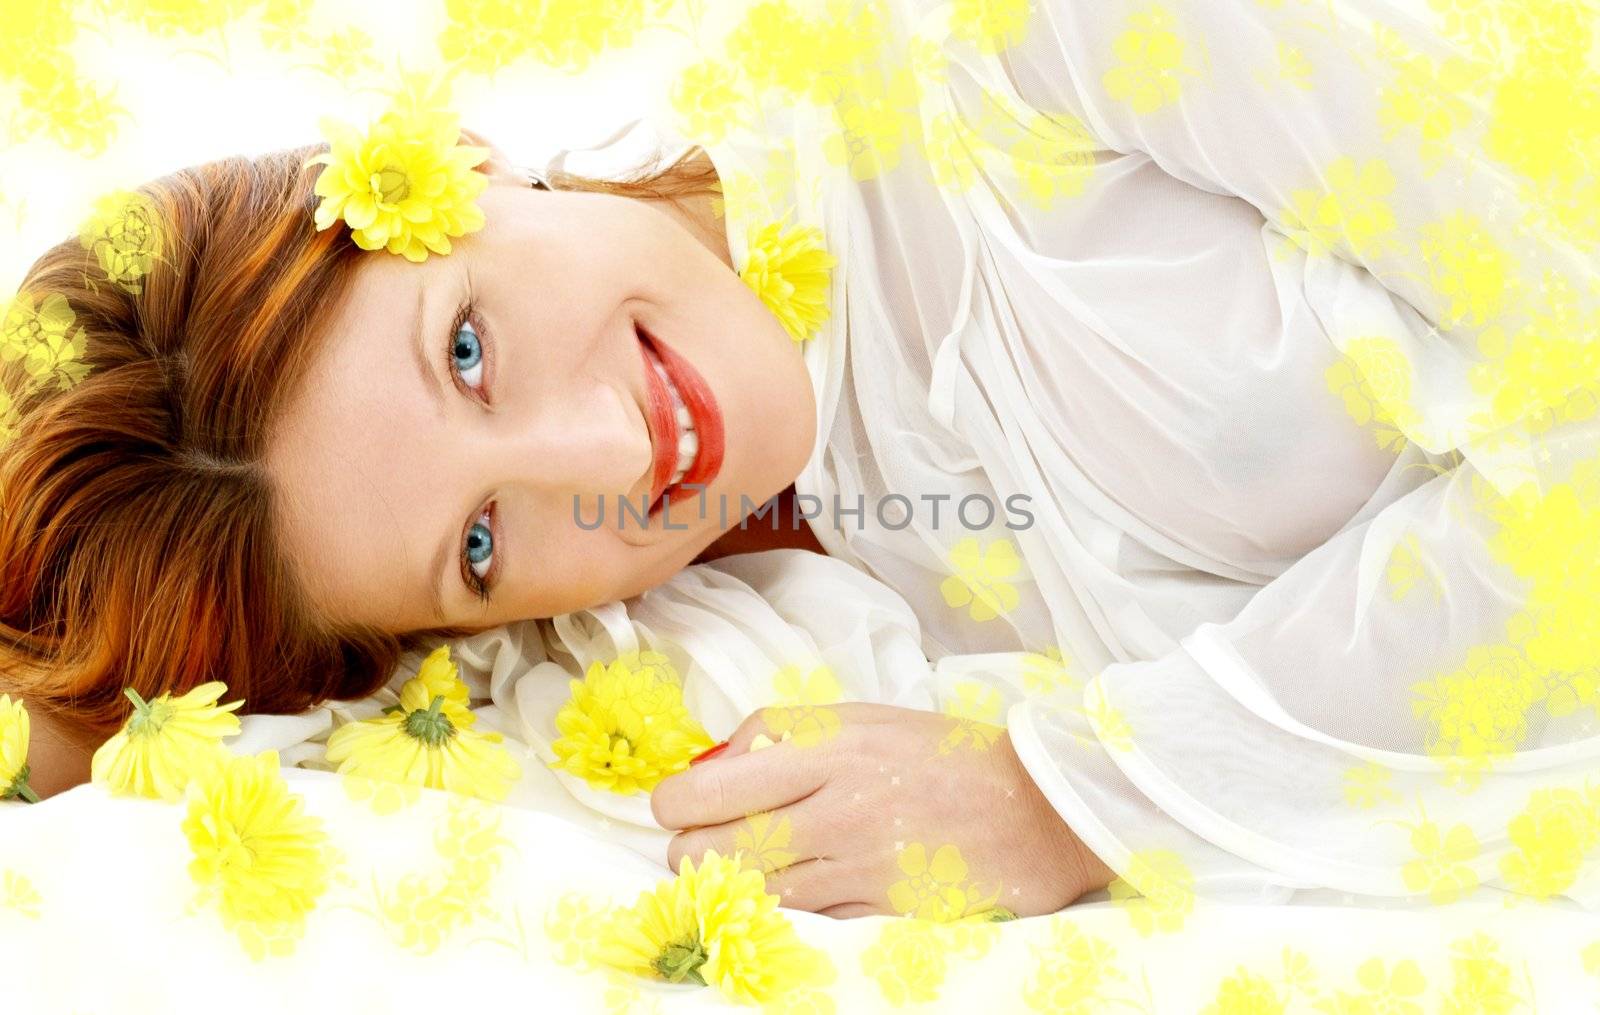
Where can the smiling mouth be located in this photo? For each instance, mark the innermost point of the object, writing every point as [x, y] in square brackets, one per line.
[688, 439]
[685, 423]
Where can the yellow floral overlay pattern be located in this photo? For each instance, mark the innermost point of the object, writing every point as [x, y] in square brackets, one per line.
[799, 709]
[264, 866]
[982, 578]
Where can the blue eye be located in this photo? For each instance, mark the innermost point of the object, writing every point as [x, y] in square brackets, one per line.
[466, 352]
[465, 359]
[479, 550]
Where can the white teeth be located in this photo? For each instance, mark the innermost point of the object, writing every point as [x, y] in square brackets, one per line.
[688, 439]
[679, 409]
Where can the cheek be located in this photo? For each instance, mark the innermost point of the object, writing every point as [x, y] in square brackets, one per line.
[605, 576]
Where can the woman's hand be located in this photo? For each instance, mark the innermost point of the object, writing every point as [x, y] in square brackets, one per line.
[869, 808]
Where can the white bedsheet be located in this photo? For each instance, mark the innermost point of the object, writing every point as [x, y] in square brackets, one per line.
[95, 892]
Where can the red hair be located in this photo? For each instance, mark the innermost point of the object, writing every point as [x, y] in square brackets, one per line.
[138, 534]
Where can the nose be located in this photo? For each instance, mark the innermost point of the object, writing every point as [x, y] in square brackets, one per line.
[590, 439]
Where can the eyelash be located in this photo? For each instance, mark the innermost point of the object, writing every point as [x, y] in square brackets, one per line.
[466, 315]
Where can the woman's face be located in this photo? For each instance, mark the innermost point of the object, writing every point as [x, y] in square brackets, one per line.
[425, 454]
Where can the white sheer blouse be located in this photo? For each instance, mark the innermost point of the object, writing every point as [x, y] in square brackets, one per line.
[1277, 317]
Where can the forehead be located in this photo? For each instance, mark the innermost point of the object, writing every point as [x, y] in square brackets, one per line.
[343, 452]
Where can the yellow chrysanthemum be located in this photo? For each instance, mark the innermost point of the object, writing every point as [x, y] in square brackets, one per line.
[14, 751]
[788, 269]
[659, 936]
[715, 925]
[166, 742]
[438, 675]
[625, 728]
[255, 851]
[428, 741]
[406, 185]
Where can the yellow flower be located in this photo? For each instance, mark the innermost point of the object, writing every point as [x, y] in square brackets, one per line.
[439, 675]
[20, 896]
[166, 742]
[14, 751]
[1070, 970]
[765, 841]
[788, 269]
[660, 935]
[715, 925]
[1352, 210]
[1156, 891]
[935, 889]
[975, 709]
[426, 908]
[428, 740]
[908, 960]
[1483, 983]
[1150, 68]
[575, 927]
[1441, 867]
[1553, 835]
[1246, 993]
[125, 234]
[1047, 672]
[254, 849]
[45, 339]
[406, 185]
[806, 725]
[625, 728]
[801, 685]
[980, 578]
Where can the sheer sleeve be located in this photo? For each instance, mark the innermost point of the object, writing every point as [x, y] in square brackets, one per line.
[1410, 709]
[1450, 153]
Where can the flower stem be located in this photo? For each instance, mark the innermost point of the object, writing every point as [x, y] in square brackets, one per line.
[19, 787]
[682, 961]
[430, 725]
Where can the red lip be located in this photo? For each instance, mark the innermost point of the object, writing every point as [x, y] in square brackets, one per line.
[702, 406]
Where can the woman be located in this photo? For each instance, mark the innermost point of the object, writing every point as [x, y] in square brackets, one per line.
[1175, 400]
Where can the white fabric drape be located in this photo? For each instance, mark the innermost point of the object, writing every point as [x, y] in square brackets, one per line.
[1298, 382]
[1278, 316]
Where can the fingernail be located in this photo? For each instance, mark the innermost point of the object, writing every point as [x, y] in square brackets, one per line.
[709, 752]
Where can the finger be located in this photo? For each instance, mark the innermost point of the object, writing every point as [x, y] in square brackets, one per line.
[731, 786]
[769, 722]
[850, 910]
[813, 885]
[767, 840]
[806, 725]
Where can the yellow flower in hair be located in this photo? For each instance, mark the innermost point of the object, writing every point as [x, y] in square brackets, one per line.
[788, 269]
[714, 925]
[14, 751]
[428, 741]
[625, 728]
[166, 742]
[255, 851]
[405, 185]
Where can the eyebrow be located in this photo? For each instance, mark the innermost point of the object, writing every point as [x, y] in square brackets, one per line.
[430, 382]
